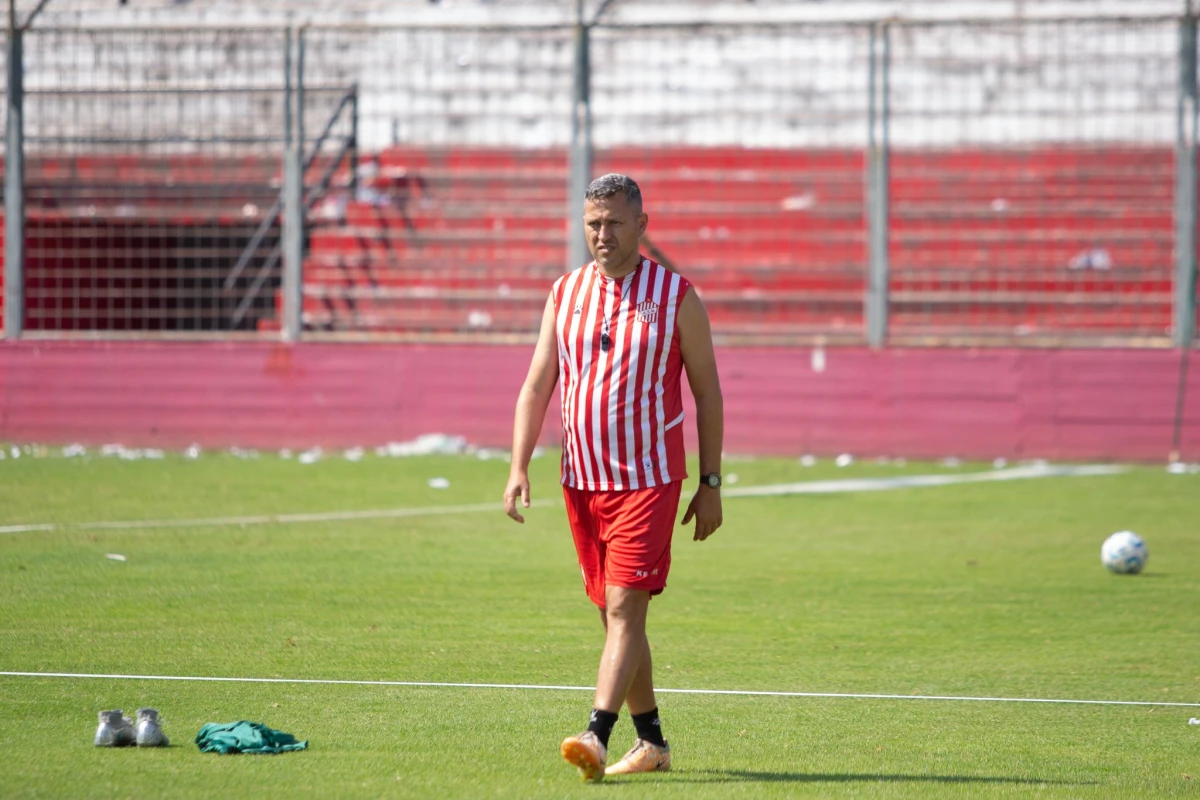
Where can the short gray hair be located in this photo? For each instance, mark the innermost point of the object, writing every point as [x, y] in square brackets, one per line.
[613, 184]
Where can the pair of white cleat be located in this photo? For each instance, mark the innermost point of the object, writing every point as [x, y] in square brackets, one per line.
[118, 731]
[587, 753]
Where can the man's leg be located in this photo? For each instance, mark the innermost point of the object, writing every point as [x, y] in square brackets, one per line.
[625, 671]
[625, 650]
[640, 697]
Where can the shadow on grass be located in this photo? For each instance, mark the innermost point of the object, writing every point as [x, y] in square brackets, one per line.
[747, 776]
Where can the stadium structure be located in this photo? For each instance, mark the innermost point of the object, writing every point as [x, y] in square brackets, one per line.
[1011, 175]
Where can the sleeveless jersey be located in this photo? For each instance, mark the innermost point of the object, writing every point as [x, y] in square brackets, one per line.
[621, 406]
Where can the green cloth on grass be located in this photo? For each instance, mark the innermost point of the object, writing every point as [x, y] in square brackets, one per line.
[245, 737]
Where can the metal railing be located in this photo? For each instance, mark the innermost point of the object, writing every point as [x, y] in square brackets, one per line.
[971, 181]
[347, 152]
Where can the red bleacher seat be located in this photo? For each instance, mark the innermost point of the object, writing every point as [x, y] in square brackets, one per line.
[776, 240]
[991, 241]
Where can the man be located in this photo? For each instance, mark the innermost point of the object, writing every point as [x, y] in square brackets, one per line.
[620, 331]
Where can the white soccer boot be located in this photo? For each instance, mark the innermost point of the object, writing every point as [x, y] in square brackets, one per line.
[149, 734]
[115, 730]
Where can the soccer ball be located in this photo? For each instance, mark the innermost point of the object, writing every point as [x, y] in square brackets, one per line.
[1124, 553]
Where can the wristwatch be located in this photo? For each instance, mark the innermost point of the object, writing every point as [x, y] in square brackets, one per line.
[712, 480]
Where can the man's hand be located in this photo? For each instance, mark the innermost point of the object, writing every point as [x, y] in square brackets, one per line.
[706, 508]
[531, 411]
[518, 488]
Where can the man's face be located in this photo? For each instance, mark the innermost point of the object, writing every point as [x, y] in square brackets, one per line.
[613, 229]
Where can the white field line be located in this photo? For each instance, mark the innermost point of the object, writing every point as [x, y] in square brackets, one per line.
[266, 519]
[916, 481]
[805, 487]
[547, 687]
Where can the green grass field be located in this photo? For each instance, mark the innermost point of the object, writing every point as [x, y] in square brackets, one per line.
[982, 590]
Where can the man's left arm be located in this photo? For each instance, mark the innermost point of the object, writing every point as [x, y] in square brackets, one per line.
[696, 347]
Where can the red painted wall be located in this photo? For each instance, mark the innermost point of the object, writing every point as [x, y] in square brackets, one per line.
[1060, 404]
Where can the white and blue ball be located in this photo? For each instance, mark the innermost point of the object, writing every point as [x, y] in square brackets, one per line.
[1124, 553]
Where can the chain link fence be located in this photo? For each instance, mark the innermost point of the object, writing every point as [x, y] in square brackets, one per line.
[456, 223]
[150, 158]
[1032, 178]
[748, 143]
[1030, 175]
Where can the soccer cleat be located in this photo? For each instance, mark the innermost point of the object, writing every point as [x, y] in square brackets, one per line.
[114, 731]
[149, 734]
[643, 757]
[587, 753]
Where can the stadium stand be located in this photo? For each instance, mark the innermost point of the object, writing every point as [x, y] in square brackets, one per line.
[475, 243]
[479, 249]
[446, 232]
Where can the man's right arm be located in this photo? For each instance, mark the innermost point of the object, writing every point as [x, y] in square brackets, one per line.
[531, 411]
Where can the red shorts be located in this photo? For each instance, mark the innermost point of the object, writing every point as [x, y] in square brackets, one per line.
[623, 538]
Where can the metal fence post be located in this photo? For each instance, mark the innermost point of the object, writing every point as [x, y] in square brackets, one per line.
[1185, 186]
[14, 188]
[293, 242]
[299, 88]
[293, 204]
[353, 154]
[287, 90]
[581, 147]
[877, 189]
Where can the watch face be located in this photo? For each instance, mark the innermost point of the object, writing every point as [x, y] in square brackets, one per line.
[713, 480]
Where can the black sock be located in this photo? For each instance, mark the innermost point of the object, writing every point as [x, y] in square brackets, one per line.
[601, 724]
[649, 728]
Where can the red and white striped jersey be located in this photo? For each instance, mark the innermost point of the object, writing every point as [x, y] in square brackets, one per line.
[621, 405]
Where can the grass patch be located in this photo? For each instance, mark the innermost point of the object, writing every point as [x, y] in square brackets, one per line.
[978, 590]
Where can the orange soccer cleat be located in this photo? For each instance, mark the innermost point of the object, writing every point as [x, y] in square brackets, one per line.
[586, 752]
[643, 757]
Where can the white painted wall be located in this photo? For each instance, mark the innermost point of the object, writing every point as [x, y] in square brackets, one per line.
[796, 80]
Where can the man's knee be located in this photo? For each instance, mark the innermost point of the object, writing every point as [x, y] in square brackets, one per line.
[625, 606]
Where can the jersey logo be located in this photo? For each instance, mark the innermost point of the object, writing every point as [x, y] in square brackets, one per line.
[578, 309]
[647, 312]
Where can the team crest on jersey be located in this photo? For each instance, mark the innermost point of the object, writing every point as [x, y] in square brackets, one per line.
[647, 312]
